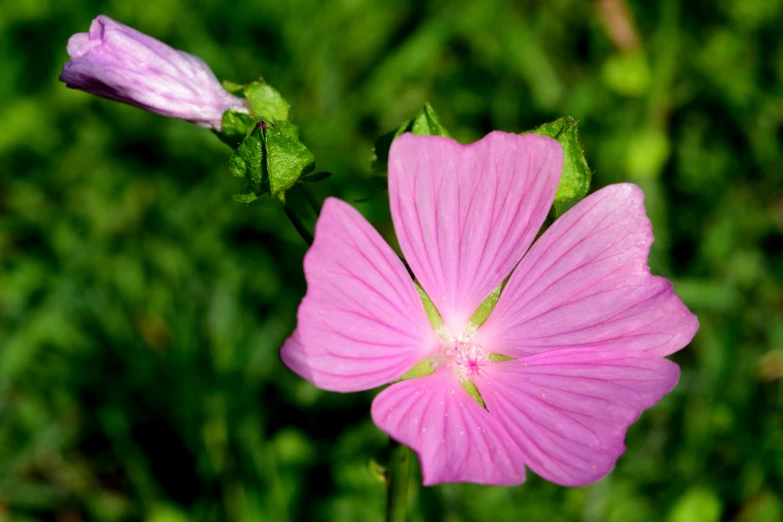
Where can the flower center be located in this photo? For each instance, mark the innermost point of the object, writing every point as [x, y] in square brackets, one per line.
[464, 357]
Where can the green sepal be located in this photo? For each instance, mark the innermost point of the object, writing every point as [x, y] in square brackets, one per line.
[248, 160]
[266, 102]
[575, 179]
[287, 159]
[314, 177]
[473, 392]
[234, 128]
[271, 158]
[237, 89]
[422, 369]
[425, 123]
[485, 308]
[429, 308]
[499, 357]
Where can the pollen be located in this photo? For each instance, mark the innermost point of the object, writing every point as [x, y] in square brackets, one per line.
[464, 357]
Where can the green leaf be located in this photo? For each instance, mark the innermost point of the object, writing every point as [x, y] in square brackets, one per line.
[429, 308]
[473, 392]
[425, 123]
[287, 158]
[266, 102]
[575, 180]
[235, 128]
[314, 177]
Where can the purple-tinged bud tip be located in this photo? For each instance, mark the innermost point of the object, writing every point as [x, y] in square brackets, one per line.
[119, 63]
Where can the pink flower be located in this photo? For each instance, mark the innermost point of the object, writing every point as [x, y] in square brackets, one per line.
[117, 62]
[587, 324]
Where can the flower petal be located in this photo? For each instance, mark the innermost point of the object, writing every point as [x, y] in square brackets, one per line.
[117, 62]
[465, 215]
[569, 409]
[586, 283]
[361, 323]
[456, 439]
[304, 362]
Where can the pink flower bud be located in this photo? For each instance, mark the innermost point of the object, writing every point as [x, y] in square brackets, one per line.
[117, 62]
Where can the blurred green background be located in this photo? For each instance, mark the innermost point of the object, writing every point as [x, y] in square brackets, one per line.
[141, 309]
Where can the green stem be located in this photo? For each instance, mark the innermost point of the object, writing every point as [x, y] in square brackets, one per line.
[397, 479]
[314, 203]
[298, 225]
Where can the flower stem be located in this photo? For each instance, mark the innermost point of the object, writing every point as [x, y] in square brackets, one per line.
[397, 478]
[311, 199]
[298, 225]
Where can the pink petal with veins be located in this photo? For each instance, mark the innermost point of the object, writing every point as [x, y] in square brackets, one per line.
[117, 62]
[568, 410]
[586, 283]
[465, 214]
[361, 323]
[456, 439]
